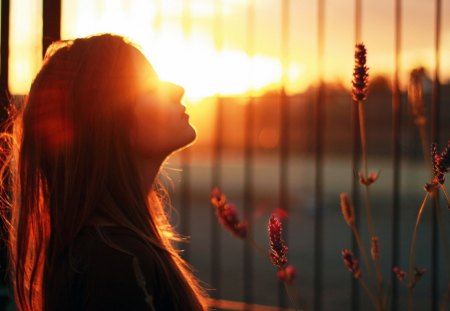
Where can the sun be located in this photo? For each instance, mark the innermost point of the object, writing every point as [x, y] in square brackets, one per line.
[192, 61]
[205, 71]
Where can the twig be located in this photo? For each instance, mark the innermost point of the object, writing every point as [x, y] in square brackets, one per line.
[412, 253]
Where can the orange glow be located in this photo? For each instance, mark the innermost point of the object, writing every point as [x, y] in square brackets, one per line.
[268, 137]
[193, 62]
[25, 44]
[188, 45]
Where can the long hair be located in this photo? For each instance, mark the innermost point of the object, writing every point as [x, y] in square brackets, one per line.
[70, 162]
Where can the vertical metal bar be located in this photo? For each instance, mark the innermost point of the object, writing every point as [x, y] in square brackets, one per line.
[4, 103]
[284, 133]
[185, 195]
[249, 159]
[215, 233]
[358, 19]
[318, 187]
[248, 199]
[187, 18]
[216, 179]
[436, 97]
[217, 163]
[4, 59]
[185, 200]
[435, 136]
[157, 22]
[356, 153]
[396, 127]
[51, 23]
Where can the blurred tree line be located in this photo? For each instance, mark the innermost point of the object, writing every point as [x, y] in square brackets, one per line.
[337, 123]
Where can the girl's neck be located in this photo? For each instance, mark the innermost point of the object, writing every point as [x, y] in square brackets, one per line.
[148, 170]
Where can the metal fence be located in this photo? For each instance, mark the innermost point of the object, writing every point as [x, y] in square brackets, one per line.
[285, 105]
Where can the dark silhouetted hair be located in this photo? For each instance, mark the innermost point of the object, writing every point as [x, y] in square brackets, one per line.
[69, 160]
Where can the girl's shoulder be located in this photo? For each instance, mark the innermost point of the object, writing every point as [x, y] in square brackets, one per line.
[118, 268]
[95, 245]
[100, 234]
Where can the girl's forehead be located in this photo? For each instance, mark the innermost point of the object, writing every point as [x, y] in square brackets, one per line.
[146, 74]
[142, 65]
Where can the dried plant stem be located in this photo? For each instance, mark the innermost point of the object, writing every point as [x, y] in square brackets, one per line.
[362, 249]
[412, 252]
[388, 296]
[369, 293]
[425, 148]
[293, 297]
[429, 166]
[373, 234]
[369, 211]
[362, 131]
[444, 190]
[258, 248]
[442, 227]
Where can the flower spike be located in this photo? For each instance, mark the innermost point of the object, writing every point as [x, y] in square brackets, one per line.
[351, 263]
[360, 73]
[287, 274]
[278, 249]
[227, 214]
[373, 176]
[347, 210]
[417, 274]
[217, 197]
[400, 274]
[375, 248]
[441, 163]
[415, 96]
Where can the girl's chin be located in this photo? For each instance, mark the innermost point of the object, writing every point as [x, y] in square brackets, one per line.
[191, 136]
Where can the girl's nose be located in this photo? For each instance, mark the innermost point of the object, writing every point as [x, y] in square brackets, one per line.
[173, 90]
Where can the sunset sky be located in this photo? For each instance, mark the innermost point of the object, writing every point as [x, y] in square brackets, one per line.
[180, 39]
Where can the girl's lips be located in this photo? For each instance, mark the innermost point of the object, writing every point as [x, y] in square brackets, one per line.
[183, 113]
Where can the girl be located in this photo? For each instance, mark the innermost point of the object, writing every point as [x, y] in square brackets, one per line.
[88, 229]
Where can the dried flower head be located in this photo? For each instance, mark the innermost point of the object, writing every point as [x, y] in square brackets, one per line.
[287, 274]
[278, 249]
[280, 213]
[417, 275]
[351, 263]
[347, 210]
[217, 197]
[400, 274]
[415, 96]
[431, 187]
[227, 214]
[360, 73]
[441, 163]
[373, 176]
[375, 248]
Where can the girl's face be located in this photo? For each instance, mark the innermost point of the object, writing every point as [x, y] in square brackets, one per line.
[161, 125]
